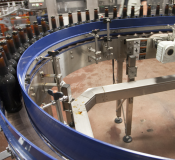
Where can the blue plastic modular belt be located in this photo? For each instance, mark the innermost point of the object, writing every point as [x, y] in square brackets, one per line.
[19, 144]
[67, 140]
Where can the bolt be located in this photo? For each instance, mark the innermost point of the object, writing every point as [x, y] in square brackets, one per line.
[72, 57]
[31, 89]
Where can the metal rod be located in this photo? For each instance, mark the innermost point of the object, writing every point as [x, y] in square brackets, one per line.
[119, 80]
[59, 111]
[129, 102]
[49, 104]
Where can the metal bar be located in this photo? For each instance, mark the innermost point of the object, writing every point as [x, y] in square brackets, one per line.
[4, 155]
[136, 88]
[119, 80]
[49, 104]
[59, 111]
[129, 103]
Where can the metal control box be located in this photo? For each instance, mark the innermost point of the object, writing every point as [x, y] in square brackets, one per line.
[37, 4]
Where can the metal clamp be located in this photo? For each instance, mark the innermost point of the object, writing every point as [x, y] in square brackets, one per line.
[97, 56]
[67, 107]
[108, 39]
[132, 72]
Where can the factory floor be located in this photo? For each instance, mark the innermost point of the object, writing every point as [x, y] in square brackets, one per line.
[153, 126]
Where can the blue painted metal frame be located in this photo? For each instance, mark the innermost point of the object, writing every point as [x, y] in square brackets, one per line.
[68, 141]
[19, 144]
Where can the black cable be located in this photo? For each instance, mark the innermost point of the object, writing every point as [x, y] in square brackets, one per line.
[113, 71]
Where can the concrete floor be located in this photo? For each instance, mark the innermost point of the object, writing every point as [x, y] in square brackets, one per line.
[153, 128]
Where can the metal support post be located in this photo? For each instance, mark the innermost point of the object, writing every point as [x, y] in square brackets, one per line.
[132, 73]
[58, 81]
[119, 80]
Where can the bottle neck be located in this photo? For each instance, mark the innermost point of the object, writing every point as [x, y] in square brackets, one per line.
[6, 50]
[5, 58]
[3, 67]
[22, 37]
[29, 33]
[44, 27]
[16, 41]
[11, 46]
[36, 29]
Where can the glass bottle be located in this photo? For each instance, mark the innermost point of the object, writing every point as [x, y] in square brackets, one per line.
[79, 17]
[36, 30]
[17, 42]
[87, 15]
[54, 26]
[106, 12]
[23, 39]
[124, 12]
[173, 10]
[11, 61]
[95, 14]
[8, 93]
[9, 67]
[44, 27]
[132, 12]
[166, 9]
[157, 10]
[70, 19]
[30, 34]
[141, 11]
[15, 55]
[114, 12]
[61, 21]
[149, 11]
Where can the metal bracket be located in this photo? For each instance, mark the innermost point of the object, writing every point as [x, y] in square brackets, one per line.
[7, 153]
[132, 72]
[97, 56]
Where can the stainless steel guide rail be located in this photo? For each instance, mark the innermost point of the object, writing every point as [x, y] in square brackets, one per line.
[73, 44]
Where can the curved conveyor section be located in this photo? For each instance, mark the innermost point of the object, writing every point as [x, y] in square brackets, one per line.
[71, 143]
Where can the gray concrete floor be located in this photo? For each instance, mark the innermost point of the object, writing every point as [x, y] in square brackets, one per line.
[153, 127]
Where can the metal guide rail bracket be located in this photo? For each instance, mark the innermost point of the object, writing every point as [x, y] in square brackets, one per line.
[97, 56]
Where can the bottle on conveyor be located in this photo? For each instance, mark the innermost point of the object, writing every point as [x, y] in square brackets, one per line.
[11, 61]
[87, 16]
[54, 25]
[173, 10]
[36, 30]
[44, 27]
[70, 19]
[31, 38]
[141, 11]
[23, 39]
[96, 14]
[124, 16]
[79, 17]
[9, 67]
[132, 12]
[61, 21]
[158, 10]
[8, 90]
[106, 12]
[167, 10]
[114, 12]
[17, 42]
[149, 11]
[15, 55]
